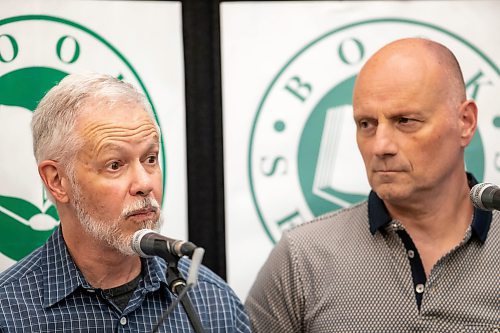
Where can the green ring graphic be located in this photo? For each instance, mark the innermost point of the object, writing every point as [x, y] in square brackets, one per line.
[305, 48]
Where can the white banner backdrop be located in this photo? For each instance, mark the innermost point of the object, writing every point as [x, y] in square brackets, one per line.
[42, 41]
[288, 69]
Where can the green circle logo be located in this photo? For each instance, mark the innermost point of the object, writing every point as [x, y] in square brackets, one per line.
[28, 69]
[303, 158]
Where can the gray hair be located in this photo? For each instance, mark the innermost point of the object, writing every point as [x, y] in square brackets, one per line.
[55, 117]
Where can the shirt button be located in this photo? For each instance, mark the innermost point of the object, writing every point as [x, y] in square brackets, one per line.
[123, 320]
[419, 288]
[411, 254]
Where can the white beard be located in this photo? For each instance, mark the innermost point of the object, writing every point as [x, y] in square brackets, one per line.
[109, 231]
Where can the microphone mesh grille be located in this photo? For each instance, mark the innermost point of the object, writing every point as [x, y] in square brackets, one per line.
[476, 192]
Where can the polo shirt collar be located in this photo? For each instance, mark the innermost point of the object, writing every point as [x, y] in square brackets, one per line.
[379, 217]
[481, 221]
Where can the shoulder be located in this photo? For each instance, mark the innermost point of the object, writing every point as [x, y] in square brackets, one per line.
[218, 298]
[23, 272]
[346, 222]
[336, 235]
[18, 285]
[212, 289]
[205, 275]
[207, 282]
[330, 235]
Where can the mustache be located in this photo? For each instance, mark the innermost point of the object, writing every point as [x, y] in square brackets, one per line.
[144, 205]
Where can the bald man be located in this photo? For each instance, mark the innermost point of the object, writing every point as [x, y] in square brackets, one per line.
[416, 256]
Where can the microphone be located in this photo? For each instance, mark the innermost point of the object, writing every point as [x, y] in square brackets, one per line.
[147, 243]
[485, 196]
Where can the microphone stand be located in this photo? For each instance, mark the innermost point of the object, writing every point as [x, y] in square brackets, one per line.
[177, 285]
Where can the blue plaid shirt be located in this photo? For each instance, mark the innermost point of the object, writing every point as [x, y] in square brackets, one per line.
[46, 292]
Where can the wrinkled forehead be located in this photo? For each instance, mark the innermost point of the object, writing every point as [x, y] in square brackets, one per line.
[100, 122]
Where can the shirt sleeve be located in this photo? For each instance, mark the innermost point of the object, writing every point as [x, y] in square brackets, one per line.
[275, 302]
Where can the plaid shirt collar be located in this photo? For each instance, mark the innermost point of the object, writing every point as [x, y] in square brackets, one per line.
[379, 217]
[62, 277]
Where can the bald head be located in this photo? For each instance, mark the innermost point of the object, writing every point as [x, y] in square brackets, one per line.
[429, 63]
[413, 121]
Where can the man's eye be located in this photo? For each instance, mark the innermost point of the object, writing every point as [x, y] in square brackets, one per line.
[404, 120]
[363, 124]
[152, 159]
[114, 165]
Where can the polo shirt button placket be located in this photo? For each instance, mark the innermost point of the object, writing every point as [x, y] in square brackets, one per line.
[419, 288]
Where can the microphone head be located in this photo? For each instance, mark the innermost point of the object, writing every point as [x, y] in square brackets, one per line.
[476, 194]
[135, 242]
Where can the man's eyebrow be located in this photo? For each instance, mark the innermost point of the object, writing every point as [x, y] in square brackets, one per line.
[109, 150]
[110, 146]
[153, 146]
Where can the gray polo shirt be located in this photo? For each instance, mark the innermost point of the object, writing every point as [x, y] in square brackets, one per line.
[351, 271]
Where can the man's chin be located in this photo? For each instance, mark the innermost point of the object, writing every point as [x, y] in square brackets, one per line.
[124, 246]
[391, 192]
[151, 222]
[148, 224]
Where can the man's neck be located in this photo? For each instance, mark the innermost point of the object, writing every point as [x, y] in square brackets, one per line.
[102, 266]
[109, 271]
[436, 224]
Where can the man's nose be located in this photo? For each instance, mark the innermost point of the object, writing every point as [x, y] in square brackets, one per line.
[142, 182]
[385, 141]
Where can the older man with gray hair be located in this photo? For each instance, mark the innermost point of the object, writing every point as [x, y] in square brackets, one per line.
[96, 143]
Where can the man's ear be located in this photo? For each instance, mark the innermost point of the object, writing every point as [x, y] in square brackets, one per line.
[468, 121]
[55, 180]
